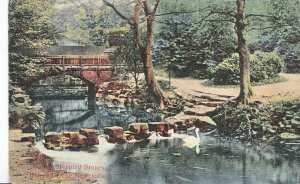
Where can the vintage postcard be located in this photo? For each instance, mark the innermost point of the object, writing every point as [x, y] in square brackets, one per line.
[154, 91]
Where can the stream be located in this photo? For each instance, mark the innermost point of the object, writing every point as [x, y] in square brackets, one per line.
[163, 160]
[218, 160]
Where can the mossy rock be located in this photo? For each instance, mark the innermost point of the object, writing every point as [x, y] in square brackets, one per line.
[295, 122]
[289, 136]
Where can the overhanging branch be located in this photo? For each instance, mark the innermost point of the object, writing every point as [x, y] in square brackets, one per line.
[261, 15]
[220, 20]
[182, 12]
[117, 12]
[268, 27]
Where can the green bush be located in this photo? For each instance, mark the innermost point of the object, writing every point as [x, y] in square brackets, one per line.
[292, 59]
[263, 66]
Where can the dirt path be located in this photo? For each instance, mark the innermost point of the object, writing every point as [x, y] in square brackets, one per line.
[27, 165]
[201, 98]
[290, 87]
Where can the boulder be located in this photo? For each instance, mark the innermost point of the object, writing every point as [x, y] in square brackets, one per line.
[138, 127]
[48, 145]
[91, 136]
[141, 130]
[80, 140]
[116, 101]
[65, 140]
[160, 127]
[205, 123]
[91, 141]
[129, 136]
[89, 132]
[115, 134]
[188, 104]
[52, 137]
[174, 123]
[287, 135]
[191, 100]
[295, 122]
[171, 121]
[189, 123]
[19, 98]
[71, 138]
[28, 139]
[71, 135]
[181, 127]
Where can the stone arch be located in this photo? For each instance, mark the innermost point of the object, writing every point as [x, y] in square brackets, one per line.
[54, 71]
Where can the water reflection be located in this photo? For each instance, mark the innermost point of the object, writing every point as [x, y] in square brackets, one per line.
[168, 160]
[72, 115]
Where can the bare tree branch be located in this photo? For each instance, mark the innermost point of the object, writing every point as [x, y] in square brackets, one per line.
[220, 20]
[155, 6]
[117, 12]
[146, 7]
[182, 12]
[268, 27]
[203, 19]
[261, 15]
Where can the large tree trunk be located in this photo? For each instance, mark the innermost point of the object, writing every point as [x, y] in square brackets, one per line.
[145, 49]
[152, 84]
[145, 56]
[241, 30]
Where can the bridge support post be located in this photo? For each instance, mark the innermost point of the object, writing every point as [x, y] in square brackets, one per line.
[92, 90]
[63, 62]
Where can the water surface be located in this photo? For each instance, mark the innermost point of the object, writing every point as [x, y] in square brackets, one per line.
[215, 160]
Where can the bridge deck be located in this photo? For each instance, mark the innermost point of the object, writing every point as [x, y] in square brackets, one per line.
[79, 61]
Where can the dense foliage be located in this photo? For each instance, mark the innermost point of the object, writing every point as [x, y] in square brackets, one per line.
[263, 65]
[259, 120]
[187, 46]
[283, 33]
[29, 31]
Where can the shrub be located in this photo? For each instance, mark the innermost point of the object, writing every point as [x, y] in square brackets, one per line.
[263, 65]
[227, 72]
[292, 59]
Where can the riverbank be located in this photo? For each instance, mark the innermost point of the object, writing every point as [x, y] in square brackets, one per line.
[28, 165]
[272, 112]
[273, 122]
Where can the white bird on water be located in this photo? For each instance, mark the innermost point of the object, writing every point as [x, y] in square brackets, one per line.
[189, 141]
[193, 142]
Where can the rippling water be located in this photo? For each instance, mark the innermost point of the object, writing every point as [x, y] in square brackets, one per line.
[215, 160]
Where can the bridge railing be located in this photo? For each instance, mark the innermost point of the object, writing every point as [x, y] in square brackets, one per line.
[78, 61]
